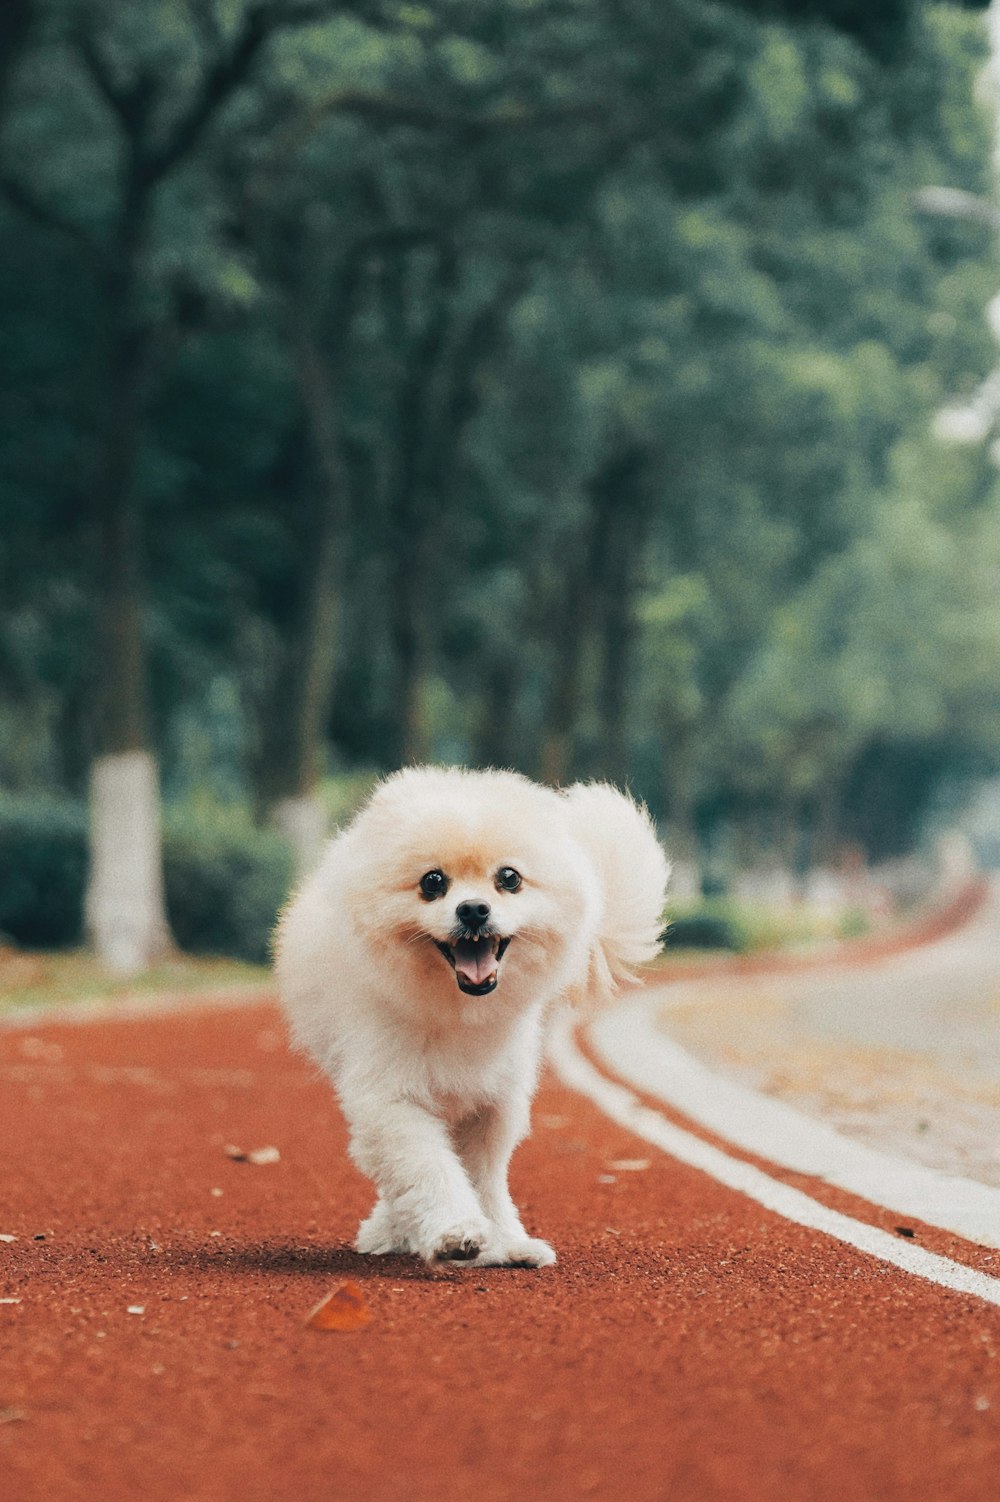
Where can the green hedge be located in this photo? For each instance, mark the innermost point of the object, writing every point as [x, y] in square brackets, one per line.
[43, 871]
[748, 927]
[704, 930]
[224, 889]
[224, 886]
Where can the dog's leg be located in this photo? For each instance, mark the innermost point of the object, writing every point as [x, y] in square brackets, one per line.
[408, 1153]
[485, 1143]
[381, 1234]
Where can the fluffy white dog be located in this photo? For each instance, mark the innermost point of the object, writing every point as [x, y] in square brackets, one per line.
[417, 965]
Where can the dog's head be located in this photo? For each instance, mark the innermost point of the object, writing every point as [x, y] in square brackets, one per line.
[469, 882]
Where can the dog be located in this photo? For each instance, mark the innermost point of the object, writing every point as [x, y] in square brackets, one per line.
[417, 966]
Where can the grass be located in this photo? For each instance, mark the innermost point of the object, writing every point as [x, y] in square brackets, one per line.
[29, 978]
[722, 925]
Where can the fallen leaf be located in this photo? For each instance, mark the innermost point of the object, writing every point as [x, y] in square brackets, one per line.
[264, 1155]
[343, 1309]
[259, 1155]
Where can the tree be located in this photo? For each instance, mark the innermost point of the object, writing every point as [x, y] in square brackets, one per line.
[513, 383]
[121, 73]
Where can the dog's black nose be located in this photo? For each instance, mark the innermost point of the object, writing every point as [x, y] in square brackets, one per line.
[473, 914]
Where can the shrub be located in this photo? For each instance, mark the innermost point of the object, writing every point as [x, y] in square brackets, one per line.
[224, 885]
[707, 927]
[43, 871]
[224, 889]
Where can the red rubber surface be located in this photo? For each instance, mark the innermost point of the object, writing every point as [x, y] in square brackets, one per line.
[689, 1345]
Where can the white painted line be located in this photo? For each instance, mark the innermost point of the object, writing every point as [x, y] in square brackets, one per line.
[635, 1048]
[622, 1106]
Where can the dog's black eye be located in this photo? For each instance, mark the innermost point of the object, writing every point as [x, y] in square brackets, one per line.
[508, 880]
[433, 884]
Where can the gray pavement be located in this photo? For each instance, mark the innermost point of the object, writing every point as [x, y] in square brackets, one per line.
[903, 1054]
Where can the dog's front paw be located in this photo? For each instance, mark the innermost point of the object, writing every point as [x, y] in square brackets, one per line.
[520, 1251]
[379, 1235]
[458, 1243]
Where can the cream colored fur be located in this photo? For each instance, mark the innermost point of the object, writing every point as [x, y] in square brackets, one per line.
[436, 1085]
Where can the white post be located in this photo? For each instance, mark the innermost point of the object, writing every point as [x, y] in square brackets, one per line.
[125, 906]
[305, 825]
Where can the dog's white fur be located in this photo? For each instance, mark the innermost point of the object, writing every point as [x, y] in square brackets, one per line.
[436, 1085]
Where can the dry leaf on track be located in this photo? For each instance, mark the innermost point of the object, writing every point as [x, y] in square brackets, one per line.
[259, 1155]
[343, 1309]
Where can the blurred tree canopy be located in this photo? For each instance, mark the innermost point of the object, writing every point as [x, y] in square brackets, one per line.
[543, 382]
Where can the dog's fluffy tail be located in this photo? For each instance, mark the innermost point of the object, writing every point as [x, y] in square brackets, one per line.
[621, 841]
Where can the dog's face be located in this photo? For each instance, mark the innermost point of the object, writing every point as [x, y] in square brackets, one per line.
[470, 883]
[476, 922]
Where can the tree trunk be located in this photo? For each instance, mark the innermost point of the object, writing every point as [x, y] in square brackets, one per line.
[600, 582]
[297, 710]
[681, 822]
[570, 635]
[303, 700]
[615, 553]
[124, 902]
[411, 637]
[305, 696]
[616, 641]
[304, 823]
[437, 401]
[494, 740]
[125, 907]
[414, 517]
[322, 304]
[121, 717]
[16, 20]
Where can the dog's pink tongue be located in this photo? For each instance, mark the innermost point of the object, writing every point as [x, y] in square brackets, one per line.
[476, 962]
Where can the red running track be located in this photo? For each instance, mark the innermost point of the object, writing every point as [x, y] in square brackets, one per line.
[689, 1346]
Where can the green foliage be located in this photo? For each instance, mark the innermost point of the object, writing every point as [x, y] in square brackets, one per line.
[594, 351]
[749, 928]
[225, 881]
[343, 795]
[43, 857]
[710, 926]
[224, 888]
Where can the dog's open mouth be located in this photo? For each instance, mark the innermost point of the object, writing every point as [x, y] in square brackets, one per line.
[475, 960]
